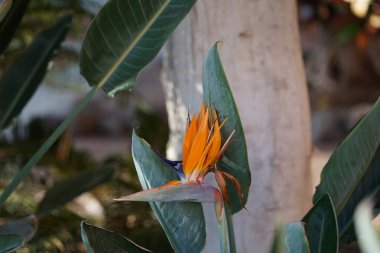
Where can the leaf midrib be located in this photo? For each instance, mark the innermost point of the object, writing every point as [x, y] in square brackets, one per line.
[128, 49]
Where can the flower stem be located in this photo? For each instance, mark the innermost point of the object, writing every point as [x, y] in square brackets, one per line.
[230, 227]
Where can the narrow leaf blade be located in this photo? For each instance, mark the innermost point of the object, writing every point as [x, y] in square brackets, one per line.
[64, 191]
[10, 20]
[183, 223]
[98, 240]
[217, 94]
[25, 73]
[124, 37]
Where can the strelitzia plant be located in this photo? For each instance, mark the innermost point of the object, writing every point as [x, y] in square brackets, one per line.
[213, 143]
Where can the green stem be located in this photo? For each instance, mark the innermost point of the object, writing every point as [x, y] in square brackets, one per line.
[45, 147]
[230, 228]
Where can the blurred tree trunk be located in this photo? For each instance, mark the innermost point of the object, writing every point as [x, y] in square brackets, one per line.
[261, 54]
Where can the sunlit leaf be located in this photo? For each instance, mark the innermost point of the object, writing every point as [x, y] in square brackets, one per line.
[64, 191]
[124, 37]
[353, 170]
[99, 240]
[321, 226]
[369, 238]
[217, 94]
[25, 73]
[183, 223]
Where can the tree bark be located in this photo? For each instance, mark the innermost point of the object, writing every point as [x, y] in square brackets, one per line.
[261, 54]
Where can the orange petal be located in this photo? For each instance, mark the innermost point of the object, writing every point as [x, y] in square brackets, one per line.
[174, 182]
[197, 148]
[212, 155]
[189, 139]
[201, 115]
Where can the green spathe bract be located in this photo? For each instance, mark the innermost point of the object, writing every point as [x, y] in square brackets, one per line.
[124, 37]
[217, 94]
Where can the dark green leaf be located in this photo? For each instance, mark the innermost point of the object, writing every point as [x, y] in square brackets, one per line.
[10, 242]
[23, 76]
[183, 223]
[25, 228]
[98, 240]
[124, 37]
[64, 191]
[369, 239]
[295, 238]
[10, 21]
[217, 94]
[321, 227]
[353, 170]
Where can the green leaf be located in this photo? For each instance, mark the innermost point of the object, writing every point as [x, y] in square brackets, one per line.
[295, 238]
[217, 94]
[64, 191]
[24, 228]
[369, 239]
[321, 226]
[353, 170]
[25, 73]
[278, 243]
[183, 223]
[124, 37]
[10, 242]
[98, 240]
[10, 19]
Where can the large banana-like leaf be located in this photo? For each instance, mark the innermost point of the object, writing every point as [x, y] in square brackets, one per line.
[353, 170]
[184, 223]
[25, 73]
[98, 240]
[64, 191]
[11, 13]
[124, 37]
[321, 226]
[217, 94]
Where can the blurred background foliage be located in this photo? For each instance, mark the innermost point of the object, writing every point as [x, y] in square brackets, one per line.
[341, 46]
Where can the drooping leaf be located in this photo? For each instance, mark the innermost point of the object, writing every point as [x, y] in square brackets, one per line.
[217, 94]
[99, 240]
[124, 37]
[369, 238]
[64, 191]
[183, 223]
[10, 242]
[24, 228]
[295, 238]
[353, 170]
[321, 226]
[10, 19]
[25, 73]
